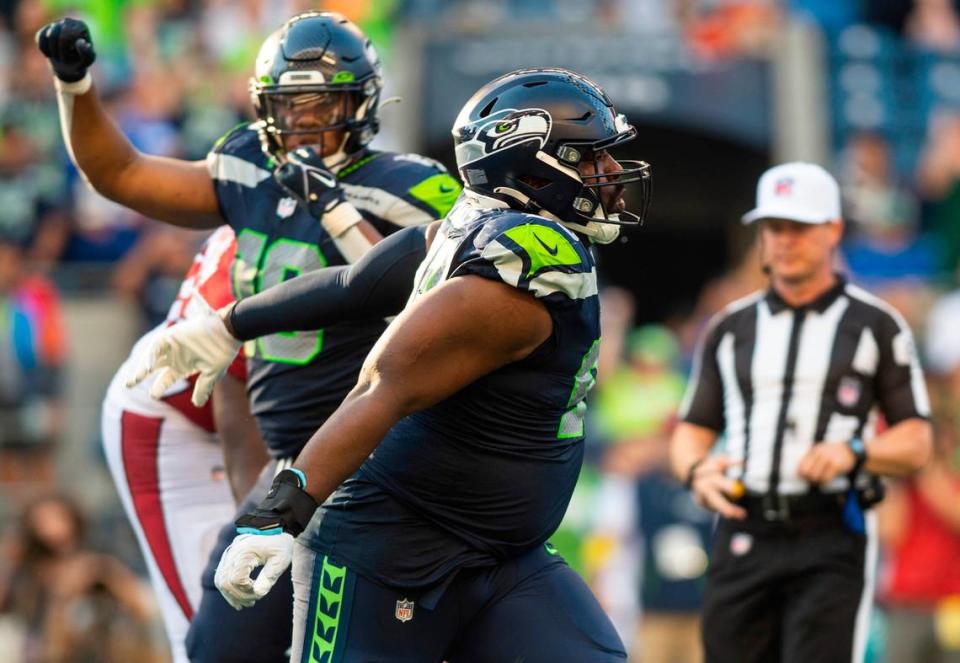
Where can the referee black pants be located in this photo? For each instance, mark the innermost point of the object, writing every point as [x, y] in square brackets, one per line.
[783, 592]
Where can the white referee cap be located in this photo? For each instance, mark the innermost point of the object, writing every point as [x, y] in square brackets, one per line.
[796, 191]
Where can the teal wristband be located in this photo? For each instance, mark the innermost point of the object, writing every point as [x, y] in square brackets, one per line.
[301, 476]
[859, 450]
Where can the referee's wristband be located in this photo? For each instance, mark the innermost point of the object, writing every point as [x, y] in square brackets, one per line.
[688, 482]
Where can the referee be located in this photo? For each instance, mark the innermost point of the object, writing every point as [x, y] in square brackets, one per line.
[797, 380]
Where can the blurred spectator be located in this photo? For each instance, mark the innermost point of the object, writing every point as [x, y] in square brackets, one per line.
[883, 242]
[920, 526]
[742, 278]
[676, 534]
[636, 404]
[62, 603]
[105, 231]
[635, 408]
[732, 28]
[149, 275]
[939, 181]
[934, 25]
[943, 342]
[33, 184]
[32, 352]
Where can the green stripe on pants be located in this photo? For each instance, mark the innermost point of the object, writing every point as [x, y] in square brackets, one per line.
[328, 609]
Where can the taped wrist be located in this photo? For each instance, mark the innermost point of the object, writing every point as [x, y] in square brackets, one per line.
[340, 219]
[286, 508]
[65, 94]
[81, 86]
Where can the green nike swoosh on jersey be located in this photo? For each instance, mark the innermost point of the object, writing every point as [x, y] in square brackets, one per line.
[545, 246]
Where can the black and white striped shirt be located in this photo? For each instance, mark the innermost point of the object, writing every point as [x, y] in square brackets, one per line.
[775, 380]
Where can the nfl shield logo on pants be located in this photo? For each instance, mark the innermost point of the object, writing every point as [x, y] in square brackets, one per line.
[404, 611]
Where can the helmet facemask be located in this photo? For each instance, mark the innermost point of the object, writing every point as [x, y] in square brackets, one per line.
[317, 77]
[596, 201]
[340, 119]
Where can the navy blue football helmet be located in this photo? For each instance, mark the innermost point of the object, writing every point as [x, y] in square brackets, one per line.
[317, 60]
[522, 138]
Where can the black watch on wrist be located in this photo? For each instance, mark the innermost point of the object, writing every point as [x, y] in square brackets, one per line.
[859, 450]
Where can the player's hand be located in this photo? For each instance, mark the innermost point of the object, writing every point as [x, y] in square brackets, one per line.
[273, 552]
[713, 490]
[68, 46]
[305, 177]
[826, 461]
[198, 345]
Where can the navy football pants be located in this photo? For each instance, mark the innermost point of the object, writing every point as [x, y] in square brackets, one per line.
[261, 634]
[534, 608]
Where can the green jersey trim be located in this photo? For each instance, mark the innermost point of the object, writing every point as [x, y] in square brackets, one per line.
[352, 168]
[223, 139]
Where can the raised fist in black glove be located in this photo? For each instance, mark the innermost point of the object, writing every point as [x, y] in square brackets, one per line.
[69, 48]
[305, 177]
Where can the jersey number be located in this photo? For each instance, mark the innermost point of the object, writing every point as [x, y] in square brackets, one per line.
[260, 266]
[571, 423]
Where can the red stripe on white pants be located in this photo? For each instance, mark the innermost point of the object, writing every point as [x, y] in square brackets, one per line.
[140, 437]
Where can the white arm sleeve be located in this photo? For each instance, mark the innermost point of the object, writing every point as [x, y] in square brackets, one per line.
[65, 94]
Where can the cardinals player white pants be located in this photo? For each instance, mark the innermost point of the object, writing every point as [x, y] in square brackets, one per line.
[170, 475]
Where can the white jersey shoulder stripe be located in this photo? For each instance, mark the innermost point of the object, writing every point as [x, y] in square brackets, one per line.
[385, 205]
[230, 168]
[575, 286]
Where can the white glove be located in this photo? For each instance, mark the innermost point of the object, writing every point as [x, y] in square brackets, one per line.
[198, 345]
[248, 551]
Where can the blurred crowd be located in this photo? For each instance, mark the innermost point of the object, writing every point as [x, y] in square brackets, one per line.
[174, 75]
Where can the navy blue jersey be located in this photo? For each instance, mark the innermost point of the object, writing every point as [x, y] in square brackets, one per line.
[297, 379]
[487, 473]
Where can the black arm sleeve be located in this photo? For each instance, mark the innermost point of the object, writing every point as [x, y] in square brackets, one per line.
[376, 286]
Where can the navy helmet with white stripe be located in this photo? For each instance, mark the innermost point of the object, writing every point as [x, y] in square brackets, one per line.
[320, 59]
[522, 137]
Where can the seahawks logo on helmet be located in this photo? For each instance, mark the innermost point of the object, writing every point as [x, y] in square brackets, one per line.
[504, 129]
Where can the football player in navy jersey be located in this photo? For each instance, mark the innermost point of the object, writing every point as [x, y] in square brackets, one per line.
[302, 190]
[443, 473]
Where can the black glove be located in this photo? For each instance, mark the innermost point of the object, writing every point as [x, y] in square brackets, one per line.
[68, 45]
[305, 177]
[287, 507]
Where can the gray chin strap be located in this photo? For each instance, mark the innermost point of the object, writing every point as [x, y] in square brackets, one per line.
[338, 159]
[601, 233]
